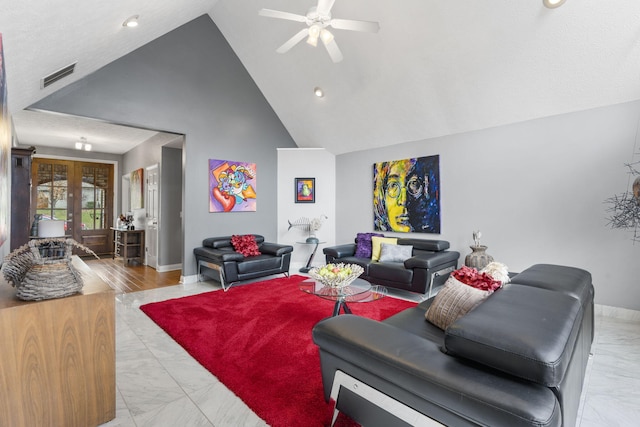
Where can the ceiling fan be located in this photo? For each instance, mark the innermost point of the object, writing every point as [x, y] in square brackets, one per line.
[318, 18]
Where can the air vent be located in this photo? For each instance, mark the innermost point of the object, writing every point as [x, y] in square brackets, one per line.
[57, 75]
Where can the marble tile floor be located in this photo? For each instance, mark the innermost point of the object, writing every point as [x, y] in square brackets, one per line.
[159, 384]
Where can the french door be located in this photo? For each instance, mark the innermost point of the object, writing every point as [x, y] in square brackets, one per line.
[80, 193]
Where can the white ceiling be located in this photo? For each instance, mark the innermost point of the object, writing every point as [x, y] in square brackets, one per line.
[434, 68]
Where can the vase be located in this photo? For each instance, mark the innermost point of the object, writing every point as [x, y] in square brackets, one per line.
[478, 258]
[34, 226]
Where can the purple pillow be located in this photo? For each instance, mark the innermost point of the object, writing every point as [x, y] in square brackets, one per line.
[363, 244]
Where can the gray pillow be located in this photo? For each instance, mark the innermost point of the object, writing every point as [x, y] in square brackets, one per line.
[395, 253]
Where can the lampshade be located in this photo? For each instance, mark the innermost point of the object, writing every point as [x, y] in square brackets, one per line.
[314, 33]
[51, 228]
[326, 36]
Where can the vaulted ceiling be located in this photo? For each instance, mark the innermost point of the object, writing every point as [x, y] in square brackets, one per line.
[434, 68]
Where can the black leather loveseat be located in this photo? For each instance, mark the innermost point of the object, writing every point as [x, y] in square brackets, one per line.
[517, 359]
[427, 269]
[218, 259]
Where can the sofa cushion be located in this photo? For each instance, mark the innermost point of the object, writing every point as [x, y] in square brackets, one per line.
[521, 330]
[259, 263]
[245, 244]
[395, 253]
[454, 300]
[363, 244]
[390, 272]
[376, 245]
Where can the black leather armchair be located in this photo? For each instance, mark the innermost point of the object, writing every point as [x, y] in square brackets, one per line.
[217, 259]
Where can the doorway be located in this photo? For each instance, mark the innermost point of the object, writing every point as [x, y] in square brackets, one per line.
[152, 216]
[80, 193]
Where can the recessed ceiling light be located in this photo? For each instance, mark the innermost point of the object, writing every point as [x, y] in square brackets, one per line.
[318, 92]
[131, 22]
[552, 4]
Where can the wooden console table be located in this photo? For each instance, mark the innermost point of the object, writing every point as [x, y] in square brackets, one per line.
[128, 244]
[57, 359]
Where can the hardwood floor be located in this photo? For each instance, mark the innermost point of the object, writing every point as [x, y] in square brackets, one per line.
[125, 278]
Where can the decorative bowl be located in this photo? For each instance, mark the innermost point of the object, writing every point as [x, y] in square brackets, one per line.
[336, 275]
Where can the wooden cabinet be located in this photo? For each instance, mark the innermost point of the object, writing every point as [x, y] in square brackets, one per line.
[20, 195]
[128, 244]
[57, 359]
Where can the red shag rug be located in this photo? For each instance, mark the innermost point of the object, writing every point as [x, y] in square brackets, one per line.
[256, 339]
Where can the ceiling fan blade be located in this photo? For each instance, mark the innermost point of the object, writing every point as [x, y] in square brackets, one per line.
[349, 24]
[270, 13]
[324, 7]
[334, 51]
[293, 41]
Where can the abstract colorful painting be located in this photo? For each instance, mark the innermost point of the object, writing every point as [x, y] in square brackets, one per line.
[5, 148]
[406, 195]
[305, 190]
[232, 186]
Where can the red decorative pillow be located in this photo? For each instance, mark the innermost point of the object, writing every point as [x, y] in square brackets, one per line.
[472, 277]
[245, 244]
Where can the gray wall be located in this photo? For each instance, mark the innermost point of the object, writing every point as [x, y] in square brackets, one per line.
[170, 251]
[536, 190]
[191, 82]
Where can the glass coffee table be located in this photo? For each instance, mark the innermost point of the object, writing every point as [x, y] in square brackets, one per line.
[358, 291]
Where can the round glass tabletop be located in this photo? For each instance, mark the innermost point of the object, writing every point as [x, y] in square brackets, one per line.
[358, 291]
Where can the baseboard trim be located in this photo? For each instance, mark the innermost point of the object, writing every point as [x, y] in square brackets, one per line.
[170, 267]
[617, 312]
[185, 280]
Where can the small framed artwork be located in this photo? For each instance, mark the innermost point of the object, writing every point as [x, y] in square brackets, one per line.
[305, 190]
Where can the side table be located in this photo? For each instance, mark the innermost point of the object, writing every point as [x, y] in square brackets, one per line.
[128, 244]
[307, 267]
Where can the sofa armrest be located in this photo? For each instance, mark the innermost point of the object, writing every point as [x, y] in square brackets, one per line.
[392, 359]
[275, 249]
[340, 251]
[431, 260]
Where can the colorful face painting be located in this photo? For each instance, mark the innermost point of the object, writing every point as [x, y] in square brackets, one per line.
[406, 195]
[232, 186]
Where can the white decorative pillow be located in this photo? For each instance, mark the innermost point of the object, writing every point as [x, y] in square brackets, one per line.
[395, 253]
[453, 301]
[497, 271]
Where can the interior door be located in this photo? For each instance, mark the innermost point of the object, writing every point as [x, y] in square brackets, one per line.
[152, 216]
[80, 193]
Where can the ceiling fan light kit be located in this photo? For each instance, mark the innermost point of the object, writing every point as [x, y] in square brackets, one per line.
[318, 18]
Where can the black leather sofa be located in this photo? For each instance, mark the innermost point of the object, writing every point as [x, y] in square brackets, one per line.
[517, 359]
[426, 270]
[217, 259]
